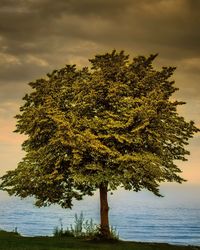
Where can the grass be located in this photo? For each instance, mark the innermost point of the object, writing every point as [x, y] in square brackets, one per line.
[13, 241]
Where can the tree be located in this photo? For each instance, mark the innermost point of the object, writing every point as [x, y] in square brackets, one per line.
[111, 125]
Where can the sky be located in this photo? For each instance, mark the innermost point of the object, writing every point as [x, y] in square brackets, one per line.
[37, 36]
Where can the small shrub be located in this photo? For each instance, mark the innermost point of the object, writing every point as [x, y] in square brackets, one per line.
[60, 232]
[91, 229]
[57, 232]
[77, 229]
[113, 233]
[15, 231]
[83, 229]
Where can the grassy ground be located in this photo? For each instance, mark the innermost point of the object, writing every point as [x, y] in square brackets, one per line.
[12, 241]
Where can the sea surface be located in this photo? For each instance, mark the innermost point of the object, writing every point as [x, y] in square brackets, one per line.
[140, 216]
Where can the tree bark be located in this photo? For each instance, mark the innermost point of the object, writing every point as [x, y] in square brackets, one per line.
[104, 226]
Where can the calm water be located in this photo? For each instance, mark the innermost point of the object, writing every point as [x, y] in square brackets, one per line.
[139, 217]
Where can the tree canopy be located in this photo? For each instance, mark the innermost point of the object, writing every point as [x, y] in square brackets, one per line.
[113, 124]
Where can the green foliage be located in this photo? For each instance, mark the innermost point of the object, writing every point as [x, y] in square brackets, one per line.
[113, 123]
[83, 228]
[60, 232]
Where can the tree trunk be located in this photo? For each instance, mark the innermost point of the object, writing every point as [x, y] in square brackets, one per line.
[104, 226]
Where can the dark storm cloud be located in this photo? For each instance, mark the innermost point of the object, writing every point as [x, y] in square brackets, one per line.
[123, 23]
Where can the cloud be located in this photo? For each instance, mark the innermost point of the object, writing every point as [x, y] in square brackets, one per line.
[191, 64]
[6, 59]
[31, 59]
[47, 25]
